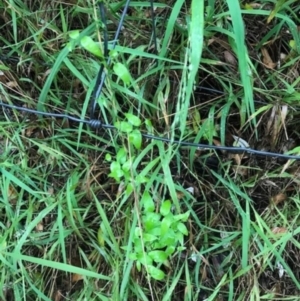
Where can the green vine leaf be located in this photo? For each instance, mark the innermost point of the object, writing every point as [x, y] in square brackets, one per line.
[135, 137]
[116, 171]
[122, 72]
[182, 228]
[134, 120]
[165, 208]
[123, 126]
[156, 273]
[158, 256]
[90, 45]
[147, 202]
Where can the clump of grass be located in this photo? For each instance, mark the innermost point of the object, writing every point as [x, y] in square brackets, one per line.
[76, 204]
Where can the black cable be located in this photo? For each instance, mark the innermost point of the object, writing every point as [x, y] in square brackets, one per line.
[93, 123]
[98, 89]
[97, 124]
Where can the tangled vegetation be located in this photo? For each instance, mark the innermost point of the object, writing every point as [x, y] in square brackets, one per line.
[106, 214]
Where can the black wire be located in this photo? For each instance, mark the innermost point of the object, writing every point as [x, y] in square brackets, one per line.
[97, 124]
[93, 123]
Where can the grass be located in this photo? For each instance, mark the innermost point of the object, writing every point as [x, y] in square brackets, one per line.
[76, 204]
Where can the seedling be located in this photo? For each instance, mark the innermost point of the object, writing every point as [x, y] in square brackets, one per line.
[160, 232]
[161, 235]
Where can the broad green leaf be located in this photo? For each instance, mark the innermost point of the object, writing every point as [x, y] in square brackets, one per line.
[134, 120]
[127, 165]
[158, 256]
[122, 72]
[137, 232]
[115, 166]
[123, 126]
[149, 125]
[155, 273]
[170, 250]
[247, 6]
[90, 45]
[182, 217]
[132, 256]
[151, 220]
[179, 237]
[144, 258]
[292, 44]
[108, 157]
[121, 156]
[135, 137]
[165, 207]
[156, 231]
[147, 202]
[74, 34]
[138, 247]
[166, 224]
[149, 237]
[182, 228]
[169, 239]
[116, 171]
[129, 189]
[113, 54]
[140, 179]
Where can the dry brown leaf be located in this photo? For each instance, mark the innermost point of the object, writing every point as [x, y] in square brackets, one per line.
[279, 230]
[267, 61]
[12, 84]
[237, 158]
[29, 131]
[58, 295]
[240, 170]
[286, 166]
[277, 199]
[179, 194]
[284, 112]
[51, 191]
[271, 120]
[210, 41]
[230, 58]
[47, 72]
[39, 227]
[76, 277]
[12, 194]
[255, 5]
[217, 142]
[276, 122]
[163, 100]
